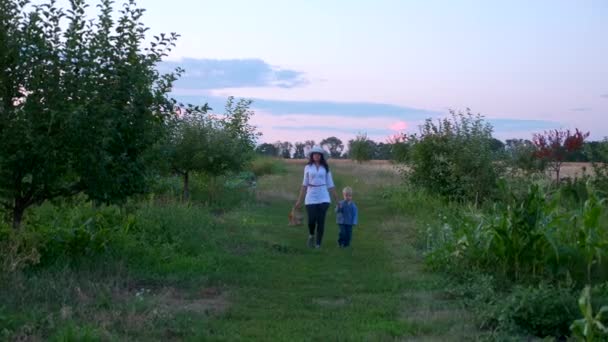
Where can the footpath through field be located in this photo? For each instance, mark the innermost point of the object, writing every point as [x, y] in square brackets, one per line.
[375, 291]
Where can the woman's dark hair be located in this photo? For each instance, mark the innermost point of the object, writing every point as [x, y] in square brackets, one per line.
[323, 161]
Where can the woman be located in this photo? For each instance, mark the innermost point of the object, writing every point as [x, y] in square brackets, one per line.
[316, 185]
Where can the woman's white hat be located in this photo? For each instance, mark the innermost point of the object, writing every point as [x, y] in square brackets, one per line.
[317, 149]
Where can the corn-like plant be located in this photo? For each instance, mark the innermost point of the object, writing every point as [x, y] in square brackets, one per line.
[590, 327]
[592, 240]
[519, 234]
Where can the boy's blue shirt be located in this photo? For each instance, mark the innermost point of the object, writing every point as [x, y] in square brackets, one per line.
[347, 213]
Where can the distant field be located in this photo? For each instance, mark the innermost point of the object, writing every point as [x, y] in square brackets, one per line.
[576, 169]
[568, 169]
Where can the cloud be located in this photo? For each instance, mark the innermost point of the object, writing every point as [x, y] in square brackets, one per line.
[322, 108]
[604, 96]
[231, 73]
[399, 126]
[302, 120]
[517, 125]
[353, 131]
[580, 109]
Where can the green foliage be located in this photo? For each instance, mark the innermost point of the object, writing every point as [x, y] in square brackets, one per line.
[520, 157]
[527, 236]
[592, 235]
[267, 149]
[72, 332]
[361, 148]
[18, 250]
[537, 237]
[80, 102]
[400, 148]
[599, 155]
[542, 311]
[73, 231]
[593, 326]
[205, 144]
[382, 151]
[453, 158]
[299, 150]
[283, 149]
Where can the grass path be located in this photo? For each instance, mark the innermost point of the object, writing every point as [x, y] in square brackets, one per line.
[375, 291]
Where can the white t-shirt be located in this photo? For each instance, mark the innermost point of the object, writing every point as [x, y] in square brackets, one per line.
[318, 181]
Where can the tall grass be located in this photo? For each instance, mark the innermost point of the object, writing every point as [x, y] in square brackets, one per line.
[267, 166]
[74, 261]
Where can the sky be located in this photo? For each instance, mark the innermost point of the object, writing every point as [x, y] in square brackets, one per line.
[318, 68]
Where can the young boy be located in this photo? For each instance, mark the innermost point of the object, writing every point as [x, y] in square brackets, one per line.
[346, 217]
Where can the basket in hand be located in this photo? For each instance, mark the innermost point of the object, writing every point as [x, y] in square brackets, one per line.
[295, 217]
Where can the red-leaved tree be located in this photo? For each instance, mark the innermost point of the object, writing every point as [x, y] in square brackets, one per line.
[555, 145]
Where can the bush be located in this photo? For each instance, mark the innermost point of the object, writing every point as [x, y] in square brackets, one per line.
[78, 230]
[541, 311]
[18, 249]
[453, 158]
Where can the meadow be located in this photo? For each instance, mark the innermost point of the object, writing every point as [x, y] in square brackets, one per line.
[161, 269]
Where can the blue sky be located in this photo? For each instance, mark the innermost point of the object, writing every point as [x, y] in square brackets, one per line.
[317, 67]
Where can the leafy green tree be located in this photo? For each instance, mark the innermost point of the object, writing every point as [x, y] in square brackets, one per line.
[267, 149]
[382, 151]
[520, 156]
[211, 145]
[360, 148]
[299, 152]
[334, 145]
[284, 148]
[236, 122]
[81, 101]
[496, 145]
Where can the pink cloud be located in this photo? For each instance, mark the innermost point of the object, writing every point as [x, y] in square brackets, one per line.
[398, 126]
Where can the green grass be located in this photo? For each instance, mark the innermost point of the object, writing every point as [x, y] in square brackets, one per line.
[244, 275]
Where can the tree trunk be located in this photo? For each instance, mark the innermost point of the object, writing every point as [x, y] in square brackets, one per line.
[186, 193]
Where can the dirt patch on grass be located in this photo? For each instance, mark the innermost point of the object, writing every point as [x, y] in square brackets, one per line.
[142, 305]
[208, 300]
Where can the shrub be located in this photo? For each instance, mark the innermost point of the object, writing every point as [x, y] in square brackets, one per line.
[541, 311]
[453, 158]
[79, 230]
